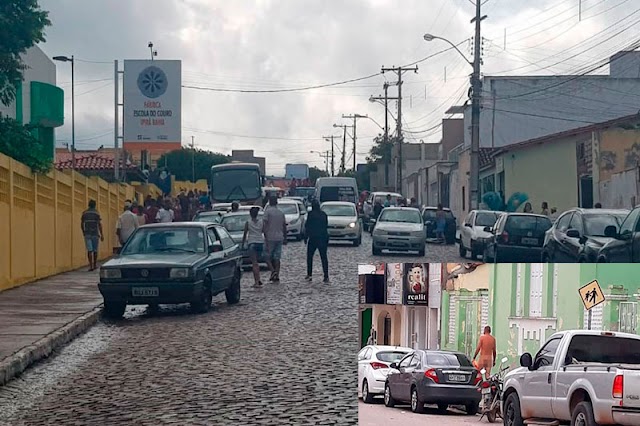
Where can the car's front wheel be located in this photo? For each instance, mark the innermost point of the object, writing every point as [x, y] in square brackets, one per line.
[232, 294]
[114, 310]
[203, 303]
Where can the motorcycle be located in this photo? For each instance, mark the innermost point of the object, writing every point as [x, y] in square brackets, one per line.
[491, 389]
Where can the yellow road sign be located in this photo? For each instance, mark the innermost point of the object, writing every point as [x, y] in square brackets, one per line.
[591, 295]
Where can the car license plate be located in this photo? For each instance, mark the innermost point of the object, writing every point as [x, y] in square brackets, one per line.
[486, 391]
[145, 291]
[530, 241]
[457, 378]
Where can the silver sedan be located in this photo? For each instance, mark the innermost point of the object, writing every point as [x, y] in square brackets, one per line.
[344, 223]
[399, 229]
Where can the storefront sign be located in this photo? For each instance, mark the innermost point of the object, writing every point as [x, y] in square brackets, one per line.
[394, 283]
[152, 102]
[416, 284]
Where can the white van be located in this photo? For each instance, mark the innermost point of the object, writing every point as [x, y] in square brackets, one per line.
[337, 189]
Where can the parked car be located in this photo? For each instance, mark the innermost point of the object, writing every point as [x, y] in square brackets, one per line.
[246, 208]
[209, 216]
[450, 227]
[584, 377]
[433, 377]
[516, 237]
[472, 233]
[221, 207]
[171, 263]
[369, 203]
[344, 223]
[625, 244]
[373, 368]
[295, 218]
[398, 229]
[578, 234]
[234, 224]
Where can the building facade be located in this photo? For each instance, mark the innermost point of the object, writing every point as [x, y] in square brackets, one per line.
[524, 303]
[39, 102]
[247, 156]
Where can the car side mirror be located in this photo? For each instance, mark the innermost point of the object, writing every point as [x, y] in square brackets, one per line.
[611, 231]
[573, 233]
[526, 360]
[215, 247]
[394, 365]
[487, 229]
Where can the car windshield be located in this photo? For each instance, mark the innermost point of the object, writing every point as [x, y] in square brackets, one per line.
[235, 223]
[165, 240]
[236, 184]
[404, 216]
[288, 208]
[209, 218]
[337, 210]
[391, 356]
[595, 224]
[448, 360]
[337, 193]
[486, 219]
[603, 349]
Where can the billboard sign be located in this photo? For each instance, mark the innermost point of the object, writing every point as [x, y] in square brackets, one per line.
[393, 283]
[152, 96]
[416, 284]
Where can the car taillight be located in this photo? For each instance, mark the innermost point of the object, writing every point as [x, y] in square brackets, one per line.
[505, 236]
[431, 374]
[486, 385]
[478, 379]
[377, 365]
[618, 386]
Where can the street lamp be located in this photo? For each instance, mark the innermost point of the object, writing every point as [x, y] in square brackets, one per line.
[73, 124]
[476, 87]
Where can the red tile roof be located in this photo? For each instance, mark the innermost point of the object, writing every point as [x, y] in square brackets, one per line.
[486, 157]
[88, 161]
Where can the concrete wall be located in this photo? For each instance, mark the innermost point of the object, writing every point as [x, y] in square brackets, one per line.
[544, 172]
[579, 102]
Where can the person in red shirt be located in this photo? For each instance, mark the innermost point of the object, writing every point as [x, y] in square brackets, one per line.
[151, 212]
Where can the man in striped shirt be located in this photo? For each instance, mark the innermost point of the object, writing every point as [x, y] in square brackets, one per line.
[91, 224]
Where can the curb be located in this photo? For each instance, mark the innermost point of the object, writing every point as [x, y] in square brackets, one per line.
[15, 364]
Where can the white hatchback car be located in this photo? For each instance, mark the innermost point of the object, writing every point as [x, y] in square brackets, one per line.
[373, 368]
[472, 234]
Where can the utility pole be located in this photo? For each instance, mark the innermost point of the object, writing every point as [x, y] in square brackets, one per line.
[355, 119]
[330, 138]
[344, 146]
[386, 100]
[193, 159]
[476, 89]
[400, 70]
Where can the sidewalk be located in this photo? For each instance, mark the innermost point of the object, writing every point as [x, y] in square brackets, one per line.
[39, 317]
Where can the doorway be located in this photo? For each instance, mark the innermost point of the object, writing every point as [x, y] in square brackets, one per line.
[586, 192]
[387, 330]
[366, 326]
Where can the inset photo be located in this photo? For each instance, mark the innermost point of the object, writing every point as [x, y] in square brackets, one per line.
[463, 343]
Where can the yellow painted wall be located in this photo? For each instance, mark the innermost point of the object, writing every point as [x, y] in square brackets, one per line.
[40, 232]
[473, 281]
[178, 185]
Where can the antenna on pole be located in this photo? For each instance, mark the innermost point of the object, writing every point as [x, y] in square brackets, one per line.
[153, 52]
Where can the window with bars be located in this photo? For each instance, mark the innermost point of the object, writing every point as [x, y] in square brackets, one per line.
[628, 317]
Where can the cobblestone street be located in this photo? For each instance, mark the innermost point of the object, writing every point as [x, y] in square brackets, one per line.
[284, 355]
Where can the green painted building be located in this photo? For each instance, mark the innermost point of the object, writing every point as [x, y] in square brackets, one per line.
[524, 303]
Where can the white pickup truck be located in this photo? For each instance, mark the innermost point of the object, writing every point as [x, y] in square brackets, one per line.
[582, 378]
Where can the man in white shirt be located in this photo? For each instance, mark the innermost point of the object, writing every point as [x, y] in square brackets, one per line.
[127, 224]
[164, 214]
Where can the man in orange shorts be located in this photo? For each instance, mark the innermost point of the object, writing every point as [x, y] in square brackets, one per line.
[487, 349]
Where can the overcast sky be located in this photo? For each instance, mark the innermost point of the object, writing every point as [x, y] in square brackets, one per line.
[262, 44]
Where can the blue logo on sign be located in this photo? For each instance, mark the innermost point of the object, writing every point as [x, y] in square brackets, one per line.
[152, 82]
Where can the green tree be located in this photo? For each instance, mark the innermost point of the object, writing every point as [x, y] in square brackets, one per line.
[382, 151]
[179, 162]
[22, 25]
[17, 142]
[315, 173]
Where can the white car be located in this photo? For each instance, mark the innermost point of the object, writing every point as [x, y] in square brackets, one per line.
[294, 217]
[373, 368]
[472, 233]
[344, 223]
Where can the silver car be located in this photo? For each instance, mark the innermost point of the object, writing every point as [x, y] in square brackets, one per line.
[344, 223]
[399, 229]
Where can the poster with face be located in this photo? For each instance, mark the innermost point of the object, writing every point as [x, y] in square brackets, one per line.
[416, 284]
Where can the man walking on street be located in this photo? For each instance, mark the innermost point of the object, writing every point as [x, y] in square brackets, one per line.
[487, 350]
[318, 239]
[275, 231]
[92, 230]
[127, 224]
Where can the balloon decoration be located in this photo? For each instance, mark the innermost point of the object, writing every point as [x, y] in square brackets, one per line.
[494, 201]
